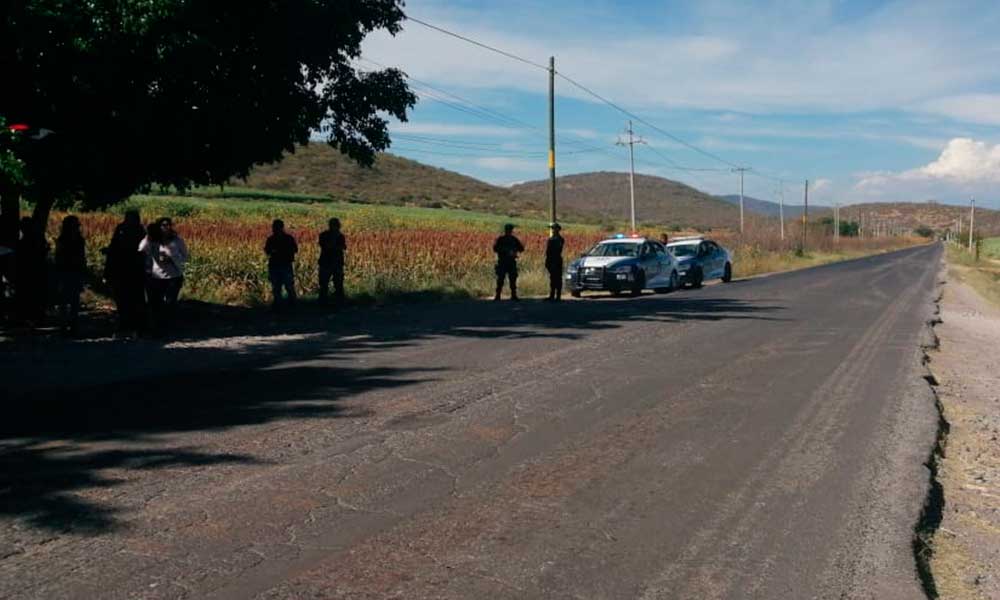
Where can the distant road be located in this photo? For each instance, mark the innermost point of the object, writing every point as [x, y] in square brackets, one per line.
[762, 439]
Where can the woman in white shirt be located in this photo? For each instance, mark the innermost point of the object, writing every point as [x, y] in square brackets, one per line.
[166, 255]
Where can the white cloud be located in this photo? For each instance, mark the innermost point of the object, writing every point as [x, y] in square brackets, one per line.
[456, 130]
[905, 54]
[588, 134]
[821, 185]
[972, 108]
[965, 167]
[504, 163]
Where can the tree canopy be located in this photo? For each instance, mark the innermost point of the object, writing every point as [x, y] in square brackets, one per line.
[185, 92]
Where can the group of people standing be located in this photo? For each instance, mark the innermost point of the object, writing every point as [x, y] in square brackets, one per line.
[281, 249]
[507, 248]
[144, 266]
[36, 281]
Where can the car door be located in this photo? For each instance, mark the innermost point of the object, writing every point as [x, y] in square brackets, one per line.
[704, 259]
[713, 266]
[664, 259]
[650, 263]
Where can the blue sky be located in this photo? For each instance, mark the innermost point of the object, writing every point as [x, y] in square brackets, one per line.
[871, 101]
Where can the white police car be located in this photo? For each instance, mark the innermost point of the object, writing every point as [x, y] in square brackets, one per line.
[699, 260]
[623, 264]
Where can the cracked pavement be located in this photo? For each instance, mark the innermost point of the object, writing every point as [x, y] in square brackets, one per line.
[762, 439]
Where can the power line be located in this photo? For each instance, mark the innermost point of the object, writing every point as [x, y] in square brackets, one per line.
[488, 114]
[480, 44]
[599, 97]
[645, 122]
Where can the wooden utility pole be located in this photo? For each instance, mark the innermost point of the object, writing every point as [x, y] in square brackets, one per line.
[781, 207]
[972, 223]
[805, 218]
[836, 222]
[552, 140]
[741, 171]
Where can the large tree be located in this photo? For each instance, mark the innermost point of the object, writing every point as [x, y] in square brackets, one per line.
[186, 92]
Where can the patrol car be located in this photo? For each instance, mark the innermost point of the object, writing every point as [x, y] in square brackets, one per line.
[699, 260]
[623, 264]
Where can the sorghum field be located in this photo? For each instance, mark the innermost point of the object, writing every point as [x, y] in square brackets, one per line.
[394, 252]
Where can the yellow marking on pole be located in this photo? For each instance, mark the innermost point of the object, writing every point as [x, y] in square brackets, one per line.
[552, 159]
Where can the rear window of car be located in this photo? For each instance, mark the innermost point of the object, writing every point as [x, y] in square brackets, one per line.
[615, 249]
[683, 249]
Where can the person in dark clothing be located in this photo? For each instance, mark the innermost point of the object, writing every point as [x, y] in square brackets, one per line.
[507, 247]
[125, 272]
[71, 268]
[31, 270]
[554, 262]
[332, 246]
[281, 249]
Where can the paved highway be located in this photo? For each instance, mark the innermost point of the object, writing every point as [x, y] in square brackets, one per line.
[762, 439]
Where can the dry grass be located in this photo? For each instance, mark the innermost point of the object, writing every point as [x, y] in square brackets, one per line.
[400, 251]
[984, 275]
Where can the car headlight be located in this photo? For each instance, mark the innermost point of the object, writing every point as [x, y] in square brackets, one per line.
[623, 269]
[572, 269]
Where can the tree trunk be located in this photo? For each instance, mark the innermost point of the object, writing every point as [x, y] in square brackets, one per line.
[10, 213]
[43, 207]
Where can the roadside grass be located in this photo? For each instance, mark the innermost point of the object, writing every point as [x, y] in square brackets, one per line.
[984, 275]
[395, 253]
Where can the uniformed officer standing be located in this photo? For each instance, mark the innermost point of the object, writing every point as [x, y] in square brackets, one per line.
[507, 247]
[554, 262]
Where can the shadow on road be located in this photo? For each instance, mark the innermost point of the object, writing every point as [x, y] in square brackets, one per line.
[61, 415]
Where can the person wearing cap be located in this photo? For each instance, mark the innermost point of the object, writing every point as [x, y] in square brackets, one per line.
[554, 262]
[507, 247]
[333, 245]
[281, 249]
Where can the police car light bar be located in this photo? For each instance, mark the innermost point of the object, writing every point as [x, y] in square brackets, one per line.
[619, 236]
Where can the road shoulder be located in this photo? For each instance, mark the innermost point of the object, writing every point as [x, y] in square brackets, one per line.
[966, 367]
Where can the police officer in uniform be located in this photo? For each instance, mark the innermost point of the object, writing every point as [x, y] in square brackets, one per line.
[507, 247]
[554, 263]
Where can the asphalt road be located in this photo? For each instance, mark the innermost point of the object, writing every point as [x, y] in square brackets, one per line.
[762, 439]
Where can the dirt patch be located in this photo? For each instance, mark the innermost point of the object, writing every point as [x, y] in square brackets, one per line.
[965, 550]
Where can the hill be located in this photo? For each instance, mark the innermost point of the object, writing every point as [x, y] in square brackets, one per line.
[772, 209]
[600, 197]
[605, 195]
[319, 169]
[910, 215]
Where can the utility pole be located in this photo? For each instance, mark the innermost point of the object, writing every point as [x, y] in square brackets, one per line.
[741, 171]
[552, 141]
[972, 222]
[836, 222]
[805, 218]
[631, 142]
[781, 207]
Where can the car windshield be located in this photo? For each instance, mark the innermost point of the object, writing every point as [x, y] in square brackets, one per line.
[684, 250]
[615, 249]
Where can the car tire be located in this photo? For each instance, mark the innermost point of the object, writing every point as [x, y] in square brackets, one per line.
[727, 274]
[640, 284]
[697, 279]
[575, 293]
